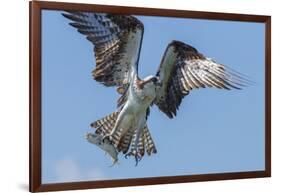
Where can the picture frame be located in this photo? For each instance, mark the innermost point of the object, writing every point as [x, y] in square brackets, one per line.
[35, 146]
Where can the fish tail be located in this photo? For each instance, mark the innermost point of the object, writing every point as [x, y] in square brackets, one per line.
[114, 162]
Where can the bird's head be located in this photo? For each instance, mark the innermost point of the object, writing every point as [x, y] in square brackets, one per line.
[154, 80]
[149, 81]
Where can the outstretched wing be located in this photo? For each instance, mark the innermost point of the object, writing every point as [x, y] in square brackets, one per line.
[182, 69]
[117, 42]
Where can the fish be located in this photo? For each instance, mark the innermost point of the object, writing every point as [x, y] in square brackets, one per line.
[105, 145]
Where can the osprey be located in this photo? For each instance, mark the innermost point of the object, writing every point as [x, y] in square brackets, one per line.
[117, 41]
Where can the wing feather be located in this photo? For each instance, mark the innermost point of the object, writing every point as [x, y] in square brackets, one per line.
[183, 68]
[117, 42]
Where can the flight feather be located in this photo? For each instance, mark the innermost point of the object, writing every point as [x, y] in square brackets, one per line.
[117, 43]
[183, 69]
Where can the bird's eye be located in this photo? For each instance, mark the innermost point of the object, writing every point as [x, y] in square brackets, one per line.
[154, 79]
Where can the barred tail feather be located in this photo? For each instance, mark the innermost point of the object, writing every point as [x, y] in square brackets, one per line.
[141, 146]
[124, 145]
[116, 138]
[149, 144]
[145, 143]
[104, 125]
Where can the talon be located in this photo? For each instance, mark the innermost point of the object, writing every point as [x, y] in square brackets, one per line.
[128, 154]
[140, 156]
[137, 161]
[137, 156]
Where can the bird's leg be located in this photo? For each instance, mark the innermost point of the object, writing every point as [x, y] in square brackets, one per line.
[116, 126]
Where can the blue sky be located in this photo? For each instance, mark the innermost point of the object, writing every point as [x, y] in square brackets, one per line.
[215, 130]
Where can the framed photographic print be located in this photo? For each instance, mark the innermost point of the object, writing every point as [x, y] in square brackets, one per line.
[125, 96]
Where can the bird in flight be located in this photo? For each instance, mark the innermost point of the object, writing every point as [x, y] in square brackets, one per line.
[117, 41]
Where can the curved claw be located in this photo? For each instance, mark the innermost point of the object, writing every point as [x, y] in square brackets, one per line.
[137, 161]
[126, 156]
[137, 156]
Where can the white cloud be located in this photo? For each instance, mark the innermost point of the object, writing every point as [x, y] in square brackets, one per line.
[96, 174]
[67, 170]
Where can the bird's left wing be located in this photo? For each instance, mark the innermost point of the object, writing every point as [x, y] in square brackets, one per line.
[117, 42]
[182, 69]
